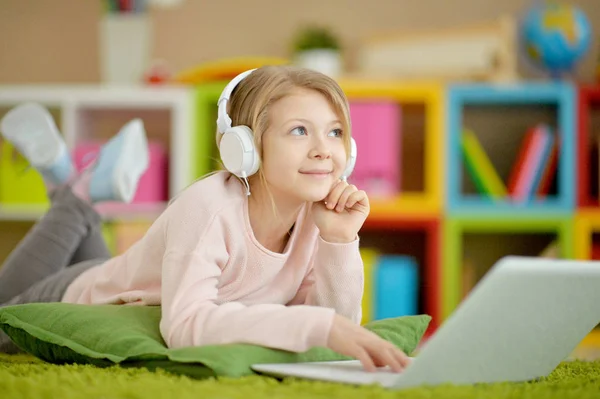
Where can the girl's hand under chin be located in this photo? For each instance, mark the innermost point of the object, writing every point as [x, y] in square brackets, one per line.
[342, 213]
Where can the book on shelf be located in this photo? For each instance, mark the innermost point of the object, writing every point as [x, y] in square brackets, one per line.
[396, 286]
[391, 285]
[535, 164]
[549, 170]
[480, 168]
[543, 170]
[551, 251]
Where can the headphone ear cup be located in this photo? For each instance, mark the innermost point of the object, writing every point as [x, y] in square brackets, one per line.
[351, 160]
[238, 152]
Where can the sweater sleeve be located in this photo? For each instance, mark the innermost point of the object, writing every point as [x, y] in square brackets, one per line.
[335, 279]
[194, 257]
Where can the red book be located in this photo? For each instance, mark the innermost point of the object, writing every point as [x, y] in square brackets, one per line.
[518, 167]
[549, 171]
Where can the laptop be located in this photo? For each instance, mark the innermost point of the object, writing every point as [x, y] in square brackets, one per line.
[522, 319]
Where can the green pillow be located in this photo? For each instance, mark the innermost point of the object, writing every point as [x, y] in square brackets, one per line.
[105, 335]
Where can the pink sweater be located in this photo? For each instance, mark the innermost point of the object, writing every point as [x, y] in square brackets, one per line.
[217, 284]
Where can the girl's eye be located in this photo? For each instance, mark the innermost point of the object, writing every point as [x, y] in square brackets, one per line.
[300, 130]
[336, 133]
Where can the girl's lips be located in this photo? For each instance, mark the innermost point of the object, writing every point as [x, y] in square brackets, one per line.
[316, 173]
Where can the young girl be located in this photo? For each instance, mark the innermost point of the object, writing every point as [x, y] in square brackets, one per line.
[265, 252]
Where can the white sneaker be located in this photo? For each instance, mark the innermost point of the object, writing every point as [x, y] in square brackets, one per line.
[120, 165]
[31, 129]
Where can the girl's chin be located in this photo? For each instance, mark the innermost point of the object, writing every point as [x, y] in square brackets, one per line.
[314, 195]
[316, 192]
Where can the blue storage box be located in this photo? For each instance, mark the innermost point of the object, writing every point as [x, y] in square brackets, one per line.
[396, 286]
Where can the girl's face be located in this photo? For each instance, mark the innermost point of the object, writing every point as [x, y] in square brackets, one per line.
[303, 149]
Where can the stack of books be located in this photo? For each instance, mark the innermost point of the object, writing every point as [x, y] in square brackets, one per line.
[531, 175]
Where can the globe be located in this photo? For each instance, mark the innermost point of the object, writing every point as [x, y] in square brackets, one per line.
[555, 36]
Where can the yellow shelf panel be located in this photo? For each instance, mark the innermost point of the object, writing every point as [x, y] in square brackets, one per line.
[399, 90]
[432, 95]
[592, 215]
[587, 221]
[418, 205]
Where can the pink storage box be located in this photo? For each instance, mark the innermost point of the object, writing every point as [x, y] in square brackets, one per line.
[376, 130]
[152, 186]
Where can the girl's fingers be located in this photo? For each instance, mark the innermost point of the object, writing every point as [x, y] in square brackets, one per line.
[358, 196]
[400, 356]
[383, 354]
[390, 360]
[342, 201]
[365, 358]
[332, 198]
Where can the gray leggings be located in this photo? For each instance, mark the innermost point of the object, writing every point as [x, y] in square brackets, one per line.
[65, 242]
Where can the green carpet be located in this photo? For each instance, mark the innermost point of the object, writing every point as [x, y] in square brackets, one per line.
[25, 377]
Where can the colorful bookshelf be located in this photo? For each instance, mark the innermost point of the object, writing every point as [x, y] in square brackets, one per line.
[429, 202]
[92, 114]
[559, 95]
[588, 100]
[431, 265]
[455, 228]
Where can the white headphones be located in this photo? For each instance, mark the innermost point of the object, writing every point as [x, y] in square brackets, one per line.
[237, 144]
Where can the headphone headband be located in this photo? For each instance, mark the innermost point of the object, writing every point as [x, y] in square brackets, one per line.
[223, 119]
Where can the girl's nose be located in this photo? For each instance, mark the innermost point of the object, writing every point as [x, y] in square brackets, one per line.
[320, 150]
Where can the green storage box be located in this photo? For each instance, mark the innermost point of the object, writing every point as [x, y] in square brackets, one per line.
[19, 184]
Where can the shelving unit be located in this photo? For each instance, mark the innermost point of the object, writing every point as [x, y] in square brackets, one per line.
[430, 95]
[479, 230]
[587, 166]
[439, 220]
[413, 212]
[80, 111]
[420, 238]
[554, 229]
[534, 96]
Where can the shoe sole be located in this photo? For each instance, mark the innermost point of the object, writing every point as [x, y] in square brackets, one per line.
[133, 161]
[29, 117]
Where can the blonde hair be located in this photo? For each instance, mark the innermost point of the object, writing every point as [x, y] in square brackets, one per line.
[252, 98]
